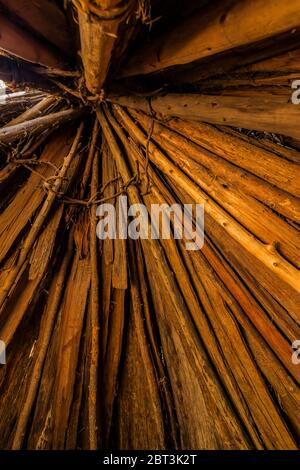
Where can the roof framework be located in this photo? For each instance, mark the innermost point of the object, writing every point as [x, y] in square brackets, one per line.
[143, 344]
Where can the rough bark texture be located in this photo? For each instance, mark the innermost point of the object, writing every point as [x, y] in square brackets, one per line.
[124, 343]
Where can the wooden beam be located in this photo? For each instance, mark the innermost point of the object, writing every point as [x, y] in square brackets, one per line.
[233, 161]
[269, 257]
[215, 30]
[289, 61]
[16, 73]
[44, 17]
[234, 59]
[17, 42]
[36, 227]
[162, 282]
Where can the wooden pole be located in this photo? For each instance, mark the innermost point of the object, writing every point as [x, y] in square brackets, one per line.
[182, 340]
[40, 219]
[35, 111]
[214, 154]
[18, 42]
[50, 313]
[266, 254]
[270, 113]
